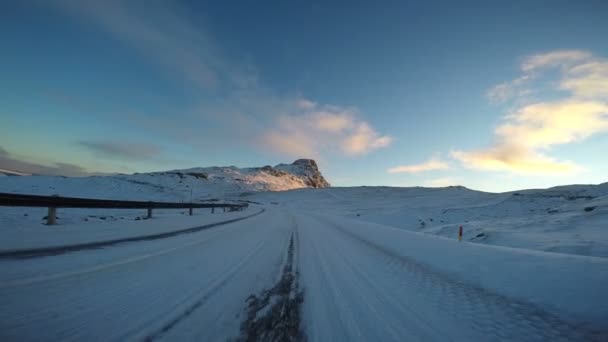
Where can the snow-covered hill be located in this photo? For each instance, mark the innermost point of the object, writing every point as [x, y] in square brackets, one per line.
[202, 183]
[567, 219]
[195, 184]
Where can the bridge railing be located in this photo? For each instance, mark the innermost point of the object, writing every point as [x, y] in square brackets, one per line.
[54, 202]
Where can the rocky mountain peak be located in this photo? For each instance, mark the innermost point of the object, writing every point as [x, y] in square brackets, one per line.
[308, 169]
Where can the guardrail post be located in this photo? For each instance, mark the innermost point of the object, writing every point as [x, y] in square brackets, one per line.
[51, 217]
[149, 213]
[190, 211]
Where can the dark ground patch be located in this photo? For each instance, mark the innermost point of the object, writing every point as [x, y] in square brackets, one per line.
[274, 315]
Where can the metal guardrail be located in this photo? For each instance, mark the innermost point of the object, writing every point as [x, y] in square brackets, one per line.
[54, 202]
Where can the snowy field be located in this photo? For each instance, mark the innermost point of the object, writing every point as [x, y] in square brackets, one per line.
[571, 219]
[356, 281]
[333, 264]
[36, 235]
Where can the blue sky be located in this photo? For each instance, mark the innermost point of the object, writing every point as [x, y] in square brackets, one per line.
[491, 95]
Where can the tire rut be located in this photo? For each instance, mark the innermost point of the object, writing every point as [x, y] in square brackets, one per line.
[489, 314]
[275, 314]
[206, 294]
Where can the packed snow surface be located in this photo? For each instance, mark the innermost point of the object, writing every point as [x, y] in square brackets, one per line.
[569, 219]
[360, 281]
[331, 264]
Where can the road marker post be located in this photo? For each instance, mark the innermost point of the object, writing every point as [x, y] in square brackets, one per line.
[51, 217]
[460, 233]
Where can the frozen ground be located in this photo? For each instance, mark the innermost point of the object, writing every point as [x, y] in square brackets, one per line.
[571, 219]
[335, 264]
[358, 281]
[135, 291]
[368, 282]
[35, 235]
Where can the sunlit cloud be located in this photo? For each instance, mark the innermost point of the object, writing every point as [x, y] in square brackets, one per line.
[329, 121]
[588, 80]
[429, 165]
[516, 159]
[363, 139]
[554, 58]
[527, 135]
[579, 69]
[314, 129]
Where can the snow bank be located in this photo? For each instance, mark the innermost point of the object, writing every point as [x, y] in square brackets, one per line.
[41, 236]
[567, 284]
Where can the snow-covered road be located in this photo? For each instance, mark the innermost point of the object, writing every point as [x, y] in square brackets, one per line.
[196, 286]
[135, 291]
[359, 290]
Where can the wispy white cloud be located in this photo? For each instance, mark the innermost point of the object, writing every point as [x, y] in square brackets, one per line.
[568, 62]
[312, 129]
[165, 35]
[526, 136]
[429, 165]
[12, 162]
[364, 139]
[242, 109]
[122, 150]
[588, 80]
[559, 58]
[507, 90]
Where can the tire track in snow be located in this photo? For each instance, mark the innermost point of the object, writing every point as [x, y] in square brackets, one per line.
[489, 315]
[336, 304]
[426, 329]
[135, 300]
[58, 250]
[186, 311]
[274, 315]
[106, 266]
[98, 268]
